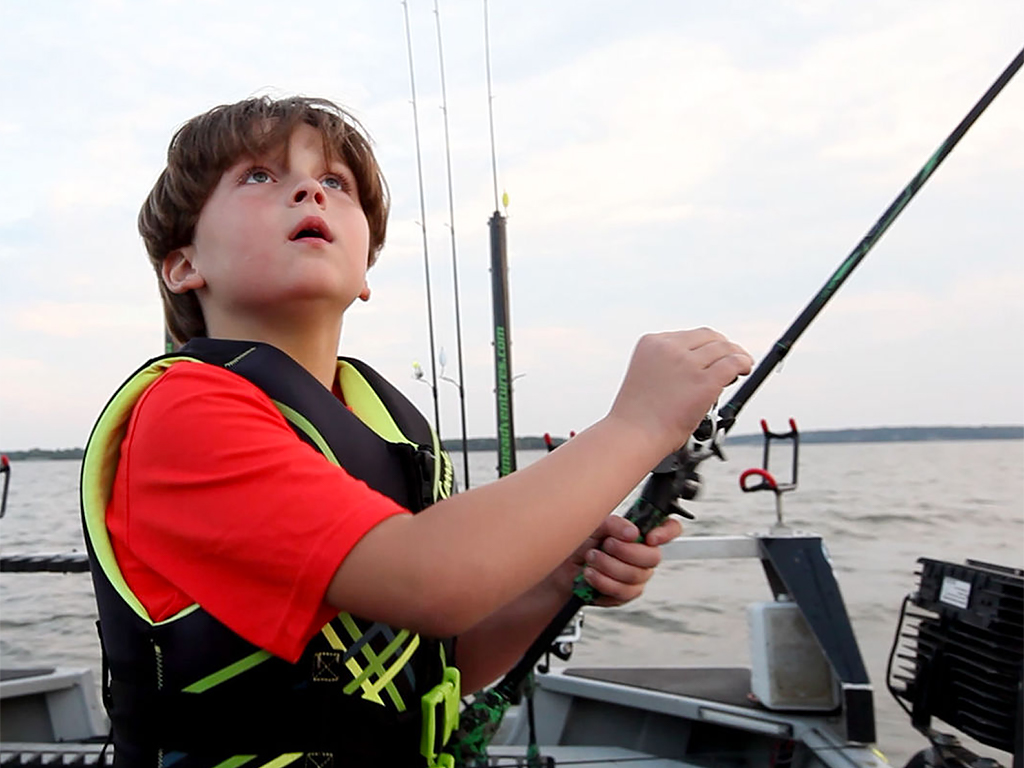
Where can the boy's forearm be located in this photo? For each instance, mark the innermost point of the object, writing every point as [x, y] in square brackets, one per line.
[488, 650]
[444, 571]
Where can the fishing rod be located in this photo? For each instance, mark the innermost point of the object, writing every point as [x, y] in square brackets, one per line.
[423, 224]
[455, 263]
[727, 415]
[675, 478]
[499, 298]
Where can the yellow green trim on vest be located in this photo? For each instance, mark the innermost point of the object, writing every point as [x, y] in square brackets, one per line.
[229, 672]
[282, 760]
[98, 469]
[335, 641]
[365, 404]
[361, 678]
[234, 762]
[278, 762]
[300, 421]
[376, 663]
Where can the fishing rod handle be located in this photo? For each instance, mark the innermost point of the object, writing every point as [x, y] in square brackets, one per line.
[652, 508]
[511, 684]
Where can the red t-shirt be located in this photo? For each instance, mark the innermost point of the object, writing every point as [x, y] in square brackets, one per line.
[216, 501]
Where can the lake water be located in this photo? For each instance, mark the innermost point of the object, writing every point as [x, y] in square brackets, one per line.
[879, 506]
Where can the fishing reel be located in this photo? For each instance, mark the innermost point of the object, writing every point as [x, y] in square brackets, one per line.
[676, 479]
[563, 645]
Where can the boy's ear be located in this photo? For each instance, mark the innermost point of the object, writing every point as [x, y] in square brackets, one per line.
[365, 293]
[178, 272]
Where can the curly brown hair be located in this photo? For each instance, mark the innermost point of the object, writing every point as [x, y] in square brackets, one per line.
[208, 144]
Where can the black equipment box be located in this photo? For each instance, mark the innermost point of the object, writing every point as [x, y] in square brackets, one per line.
[964, 652]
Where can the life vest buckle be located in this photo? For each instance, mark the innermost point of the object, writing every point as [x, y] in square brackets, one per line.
[425, 462]
[446, 696]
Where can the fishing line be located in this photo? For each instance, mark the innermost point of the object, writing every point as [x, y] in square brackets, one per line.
[490, 103]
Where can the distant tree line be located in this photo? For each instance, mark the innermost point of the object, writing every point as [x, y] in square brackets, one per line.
[869, 435]
[897, 435]
[534, 443]
[531, 443]
[40, 453]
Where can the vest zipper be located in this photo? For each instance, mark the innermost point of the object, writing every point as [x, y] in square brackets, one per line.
[159, 655]
[159, 667]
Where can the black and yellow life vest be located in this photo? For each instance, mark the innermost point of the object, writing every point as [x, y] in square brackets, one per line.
[188, 692]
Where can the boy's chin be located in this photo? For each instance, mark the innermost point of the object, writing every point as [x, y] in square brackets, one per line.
[326, 291]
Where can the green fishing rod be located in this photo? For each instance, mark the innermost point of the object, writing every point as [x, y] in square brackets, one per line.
[675, 478]
[727, 415]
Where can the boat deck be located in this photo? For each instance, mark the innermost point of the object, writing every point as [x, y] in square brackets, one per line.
[725, 685]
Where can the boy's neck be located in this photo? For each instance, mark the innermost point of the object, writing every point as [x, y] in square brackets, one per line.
[314, 349]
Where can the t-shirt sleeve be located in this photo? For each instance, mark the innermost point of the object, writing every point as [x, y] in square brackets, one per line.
[226, 503]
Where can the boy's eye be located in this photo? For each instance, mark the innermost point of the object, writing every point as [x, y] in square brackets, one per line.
[256, 176]
[334, 182]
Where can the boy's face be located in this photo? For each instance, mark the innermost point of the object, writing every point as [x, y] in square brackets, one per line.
[280, 235]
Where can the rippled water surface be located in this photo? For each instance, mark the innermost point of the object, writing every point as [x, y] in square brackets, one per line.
[879, 506]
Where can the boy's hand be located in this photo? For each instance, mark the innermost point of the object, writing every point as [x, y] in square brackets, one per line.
[616, 564]
[672, 381]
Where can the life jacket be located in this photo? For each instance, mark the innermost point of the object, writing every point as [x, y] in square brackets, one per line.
[188, 692]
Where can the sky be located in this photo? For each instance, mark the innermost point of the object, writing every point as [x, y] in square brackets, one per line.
[669, 165]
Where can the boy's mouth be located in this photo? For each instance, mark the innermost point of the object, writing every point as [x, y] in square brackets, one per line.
[312, 227]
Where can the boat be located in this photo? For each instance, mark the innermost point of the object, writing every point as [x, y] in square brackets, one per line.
[804, 700]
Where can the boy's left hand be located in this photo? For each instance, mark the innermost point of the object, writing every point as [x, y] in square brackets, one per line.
[617, 565]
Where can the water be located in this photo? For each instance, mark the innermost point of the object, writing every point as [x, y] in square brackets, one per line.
[878, 506]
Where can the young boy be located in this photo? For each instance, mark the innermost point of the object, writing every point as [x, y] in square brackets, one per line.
[265, 596]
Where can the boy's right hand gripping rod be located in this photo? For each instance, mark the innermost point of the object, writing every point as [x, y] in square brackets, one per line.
[672, 480]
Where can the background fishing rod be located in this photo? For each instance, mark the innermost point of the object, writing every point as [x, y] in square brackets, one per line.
[675, 477]
[423, 224]
[499, 298]
[455, 263]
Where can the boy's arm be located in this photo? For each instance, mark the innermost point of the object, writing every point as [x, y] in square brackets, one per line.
[445, 571]
[616, 565]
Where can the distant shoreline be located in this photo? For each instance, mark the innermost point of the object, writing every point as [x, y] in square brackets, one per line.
[533, 443]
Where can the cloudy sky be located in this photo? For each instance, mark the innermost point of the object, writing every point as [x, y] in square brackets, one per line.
[669, 164]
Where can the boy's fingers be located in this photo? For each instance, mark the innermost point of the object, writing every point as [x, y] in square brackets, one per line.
[612, 592]
[632, 553]
[616, 569]
[714, 351]
[729, 369]
[670, 529]
[617, 527]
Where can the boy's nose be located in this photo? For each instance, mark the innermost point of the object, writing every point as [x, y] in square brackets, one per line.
[308, 188]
